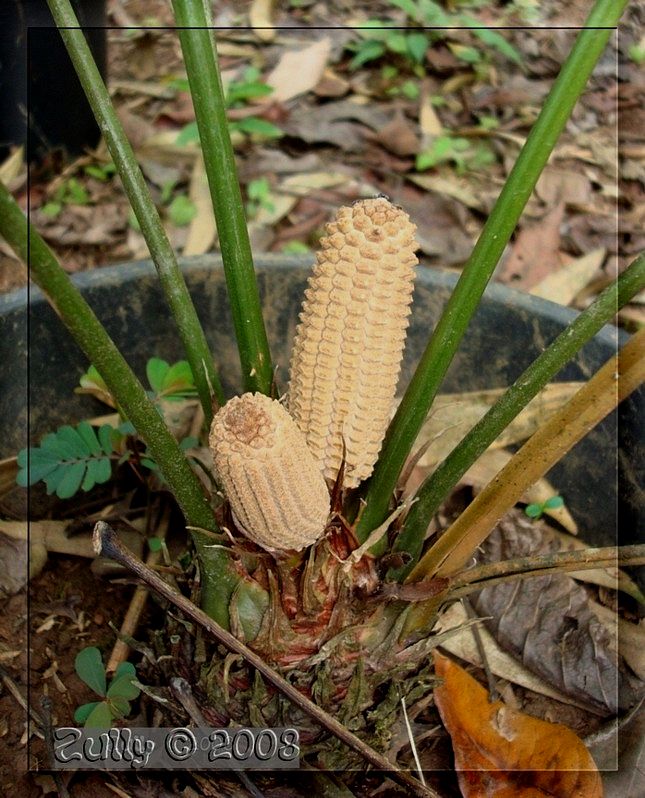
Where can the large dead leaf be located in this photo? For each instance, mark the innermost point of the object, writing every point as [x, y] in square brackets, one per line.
[629, 636]
[463, 644]
[335, 123]
[464, 190]
[549, 625]
[535, 251]
[561, 185]
[399, 136]
[453, 415]
[564, 284]
[297, 72]
[501, 753]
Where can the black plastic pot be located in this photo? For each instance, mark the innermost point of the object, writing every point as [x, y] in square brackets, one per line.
[599, 478]
[38, 81]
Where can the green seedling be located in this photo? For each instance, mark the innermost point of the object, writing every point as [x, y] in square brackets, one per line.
[102, 172]
[78, 458]
[71, 192]
[71, 459]
[637, 52]
[465, 154]
[296, 248]
[171, 382]
[259, 196]
[379, 37]
[537, 509]
[239, 94]
[182, 210]
[159, 545]
[116, 698]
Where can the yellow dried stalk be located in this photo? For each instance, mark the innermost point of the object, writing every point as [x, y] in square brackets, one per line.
[347, 352]
[277, 494]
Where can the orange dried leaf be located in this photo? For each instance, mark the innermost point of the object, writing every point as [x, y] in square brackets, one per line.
[501, 753]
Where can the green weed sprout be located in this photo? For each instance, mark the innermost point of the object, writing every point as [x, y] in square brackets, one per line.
[115, 698]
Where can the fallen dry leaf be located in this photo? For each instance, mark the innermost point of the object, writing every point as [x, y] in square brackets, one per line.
[463, 644]
[548, 623]
[260, 17]
[630, 636]
[451, 185]
[202, 229]
[429, 122]
[501, 753]
[535, 253]
[12, 165]
[399, 136]
[453, 415]
[297, 72]
[331, 84]
[564, 284]
[15, 563]
[561, 185]
[336, 123]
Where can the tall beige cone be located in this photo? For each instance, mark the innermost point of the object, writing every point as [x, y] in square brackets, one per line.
[349, 344]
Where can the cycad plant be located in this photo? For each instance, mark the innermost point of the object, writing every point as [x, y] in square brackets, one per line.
[308, 522]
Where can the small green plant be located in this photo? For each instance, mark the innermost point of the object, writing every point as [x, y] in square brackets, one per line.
[296, 248]
[71, 192]
[102, 172]
[636, 52]
[115, 699]
[259, 196]
[378, 37]
[465, 154]
[171, 382]
[238, 95]
[537, 509]
[78, 458]
[71, 459]
[182, 210]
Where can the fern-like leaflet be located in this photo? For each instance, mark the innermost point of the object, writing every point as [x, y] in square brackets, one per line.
[69, 459]
[78, 458]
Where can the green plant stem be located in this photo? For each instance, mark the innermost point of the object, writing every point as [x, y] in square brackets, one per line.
[496, 234]
[210, 111]
[218, 577]
[170, 276]
[437, 486]
[612, 383]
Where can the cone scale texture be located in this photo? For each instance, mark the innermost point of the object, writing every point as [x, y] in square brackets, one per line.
[349, 343]
[277, 494]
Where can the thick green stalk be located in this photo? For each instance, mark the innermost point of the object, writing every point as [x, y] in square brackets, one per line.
[218, 577]
[478, 270]
[438, 484]
[210, 111]
[170, 276]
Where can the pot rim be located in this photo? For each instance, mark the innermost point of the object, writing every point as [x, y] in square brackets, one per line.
[429, 277]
